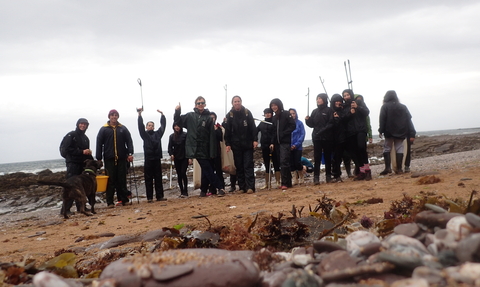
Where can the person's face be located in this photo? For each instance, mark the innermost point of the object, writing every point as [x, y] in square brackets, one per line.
[82, 126]
[319, 101]
[346, 96]
[150, 126]
[214, 119]
[176, 128]
[200, 105]
[293, 114]
[237, 103]
[338, 104]
[113, 119]
[268, 115]
[274, 108]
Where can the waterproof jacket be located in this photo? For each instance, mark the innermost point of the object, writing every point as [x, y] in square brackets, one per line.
[283, 124]
[76, 141]
[355, 122]
[339, 126]
[176, 145]
[321, 121]
[114, 142]
[240, 129]
[298, 134]
[200, 136]
[152, 140]
[395, 119]
[266, 132]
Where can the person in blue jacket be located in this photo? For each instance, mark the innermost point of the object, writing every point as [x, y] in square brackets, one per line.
[296, 149]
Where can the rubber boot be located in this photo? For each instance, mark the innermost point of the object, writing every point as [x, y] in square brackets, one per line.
[294, 178]
[301, 177]
[278, 179]
[399, 163]
[268, 181]
[316, 180]
[388, 163]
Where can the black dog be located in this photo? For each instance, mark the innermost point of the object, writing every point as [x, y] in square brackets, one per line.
[80, 187]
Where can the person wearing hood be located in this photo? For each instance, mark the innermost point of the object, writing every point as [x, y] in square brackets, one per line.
[115, 147]
[217, 160]
[321, 120]
[152, 150]
[355, 115]
[339, 138]
[200, 141]
[395, 125]
[284, 125]
[176, 150]
[296, 149]
[77, 149]
[266, 131]
[241, 138]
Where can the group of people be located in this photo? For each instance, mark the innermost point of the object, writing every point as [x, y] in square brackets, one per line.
[340, 133]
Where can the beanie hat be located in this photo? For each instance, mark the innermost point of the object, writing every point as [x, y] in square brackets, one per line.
[268, 111]
[114, 111]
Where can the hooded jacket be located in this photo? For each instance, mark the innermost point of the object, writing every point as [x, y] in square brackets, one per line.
[114, 142]
[176, 144]
[283, 124]
[355, 122]
[298, 134]
[152, 140]
[321, 121]
[266, 132]
[240, 129]
[75, 142]
[338, 122]
[395, 119]
[200, 133]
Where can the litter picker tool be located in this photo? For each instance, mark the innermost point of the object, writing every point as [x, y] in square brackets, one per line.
[225, 87]
[134, 180]
[349, 74]
[322, 81]
[268, 123]
[171, 173]
[270, 166]
[308, 101]
[141, 92]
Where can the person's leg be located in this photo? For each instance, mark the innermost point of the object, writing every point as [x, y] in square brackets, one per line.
[157, 175]
[285, 165]
[148, 171]
[249, 170]
[327, 155]
[122, 191]
[183, 172]
[408, 156]
[337, 161]
[239, 165]
[387, 148]
[398, 143]
[111, 183]
[317, 161]
[207, 168]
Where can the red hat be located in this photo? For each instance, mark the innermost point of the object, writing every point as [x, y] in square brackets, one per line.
[114, 111]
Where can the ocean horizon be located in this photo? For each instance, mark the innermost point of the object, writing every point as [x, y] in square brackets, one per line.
[58, 165]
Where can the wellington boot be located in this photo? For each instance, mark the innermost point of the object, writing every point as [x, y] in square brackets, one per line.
[301, 177]
[316, 180]
[268, 181]
[294, 178]
[360, 176]
[278, 179]
[368, 174]
[399, 157]
[388, 163]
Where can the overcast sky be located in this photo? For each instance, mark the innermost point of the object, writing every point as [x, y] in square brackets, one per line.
[62, 60]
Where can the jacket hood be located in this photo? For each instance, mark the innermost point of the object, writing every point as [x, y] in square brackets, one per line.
[324, 97]
[352, 96]
[277, 102]
[390, 96]
[295, 110]
[82, 120]
[336, 98]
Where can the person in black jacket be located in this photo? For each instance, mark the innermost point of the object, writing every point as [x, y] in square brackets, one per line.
[396, 125]
[339, 152]
[241, 137]
[176, 150]
[284, 125]
[217, 160]
[115, 146]
[152, 149]
[77, 148]
[322, 123]
[266, 131]
[355, 115]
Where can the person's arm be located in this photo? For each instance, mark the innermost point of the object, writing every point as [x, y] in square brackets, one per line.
[141, 126]
[163, 124]
[129, 143]
[99, 149]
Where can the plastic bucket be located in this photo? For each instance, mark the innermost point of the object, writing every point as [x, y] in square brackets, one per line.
[102, 181]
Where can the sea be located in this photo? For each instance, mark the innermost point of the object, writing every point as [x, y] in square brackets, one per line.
[58, 165]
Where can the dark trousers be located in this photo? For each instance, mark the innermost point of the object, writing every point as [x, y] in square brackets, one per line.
[243, 159]
[296, 160]
[408, 157]
[283, 154]
[357, 148]
[338, 156]
[217, 168]
[267, 158]
[326, 148]
[117, 180]
[208, 176]
[181, 166]
[152, 170]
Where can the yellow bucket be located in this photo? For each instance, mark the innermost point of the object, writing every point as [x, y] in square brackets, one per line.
[102, 181]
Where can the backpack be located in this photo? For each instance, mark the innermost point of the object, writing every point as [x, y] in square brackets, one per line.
[63, 145]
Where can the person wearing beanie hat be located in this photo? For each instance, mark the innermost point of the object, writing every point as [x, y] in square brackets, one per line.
[76, 148]
[321, 120]
[115, 147]
[266, 131]
[284, 125]
[152, 150]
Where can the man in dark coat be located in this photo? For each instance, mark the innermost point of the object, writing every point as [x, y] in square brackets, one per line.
[152, 149]
[241, 137]
[396, 125]
[200, 143]
[284, 125]
[76, 145]
[115, 146]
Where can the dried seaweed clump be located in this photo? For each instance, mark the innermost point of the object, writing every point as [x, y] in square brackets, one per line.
[238, 237]
[429, 179]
